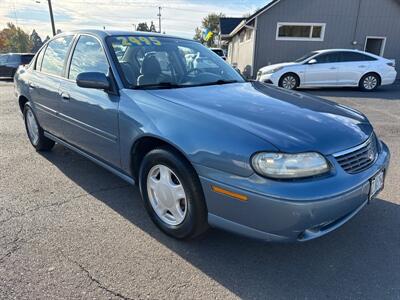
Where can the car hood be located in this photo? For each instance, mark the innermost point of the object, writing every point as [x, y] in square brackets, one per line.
[291, 121]
[281, 65]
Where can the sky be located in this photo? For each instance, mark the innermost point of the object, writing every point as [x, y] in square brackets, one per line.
[179, 17]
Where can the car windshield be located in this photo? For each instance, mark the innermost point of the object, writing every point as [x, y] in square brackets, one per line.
[304, 57]
[155, 62]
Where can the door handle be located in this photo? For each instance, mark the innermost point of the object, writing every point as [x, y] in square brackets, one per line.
[32, 86]
[332, 68]
[362, 66]
[65, 96]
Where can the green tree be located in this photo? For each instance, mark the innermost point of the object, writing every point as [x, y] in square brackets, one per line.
[46, 39]
[211, 22]
[14, 39]
[36, 41]
[143, 27]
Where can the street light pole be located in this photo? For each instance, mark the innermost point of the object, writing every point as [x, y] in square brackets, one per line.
[159, 19]
[53, 27]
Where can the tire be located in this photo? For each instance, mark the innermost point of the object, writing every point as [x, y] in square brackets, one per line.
[160, 192]
[34, 131]
[369, 82]
[289, 81]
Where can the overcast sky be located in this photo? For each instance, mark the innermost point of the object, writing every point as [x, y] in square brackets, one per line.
[179, 17]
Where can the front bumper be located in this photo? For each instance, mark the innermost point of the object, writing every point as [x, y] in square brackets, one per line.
[288, 211]
[269, 78]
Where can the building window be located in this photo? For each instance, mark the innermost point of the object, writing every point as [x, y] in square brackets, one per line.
[241, 36]
[300, 31]
[249, 33]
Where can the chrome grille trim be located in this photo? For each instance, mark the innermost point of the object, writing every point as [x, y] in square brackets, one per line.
[358, 158]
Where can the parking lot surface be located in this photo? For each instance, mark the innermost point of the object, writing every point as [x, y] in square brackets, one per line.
[70, 229]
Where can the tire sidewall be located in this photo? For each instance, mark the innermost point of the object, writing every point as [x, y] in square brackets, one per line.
[196, 210]
[26, 108]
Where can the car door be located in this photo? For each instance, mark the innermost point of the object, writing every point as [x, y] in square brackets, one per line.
[90, 115]
[322, 70]
[44, 83]
[352, 67]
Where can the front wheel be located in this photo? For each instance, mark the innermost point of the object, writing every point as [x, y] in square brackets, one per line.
[369, 82]
[35, 132]
[289, 81]
[172, 194]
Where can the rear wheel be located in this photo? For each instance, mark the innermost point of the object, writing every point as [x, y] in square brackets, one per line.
[369, 82]
[172, 194]
[289, 81]
[35, 132]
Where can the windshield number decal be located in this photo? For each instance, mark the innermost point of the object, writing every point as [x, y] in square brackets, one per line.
[139, 41]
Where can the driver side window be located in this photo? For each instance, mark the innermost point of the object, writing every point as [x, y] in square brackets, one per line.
[88, 57]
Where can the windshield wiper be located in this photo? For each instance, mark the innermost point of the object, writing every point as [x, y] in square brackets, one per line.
[218, 82]
[160, 85]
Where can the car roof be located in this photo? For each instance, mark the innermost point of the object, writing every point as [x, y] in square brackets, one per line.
[341, 50]
[17, 53]
[104, 33]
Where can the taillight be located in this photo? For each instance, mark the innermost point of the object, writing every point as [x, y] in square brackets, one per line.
[391, 64]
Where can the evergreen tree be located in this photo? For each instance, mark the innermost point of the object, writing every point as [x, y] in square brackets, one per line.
[36, 41]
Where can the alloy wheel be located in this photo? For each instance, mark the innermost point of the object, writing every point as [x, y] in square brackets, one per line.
[370, 82]
[167, 195]
[289, 82]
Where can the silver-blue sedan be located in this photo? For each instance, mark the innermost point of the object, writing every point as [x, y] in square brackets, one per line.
[205, 147]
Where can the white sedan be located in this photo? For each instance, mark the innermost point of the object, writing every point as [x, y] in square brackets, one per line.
[330, 68]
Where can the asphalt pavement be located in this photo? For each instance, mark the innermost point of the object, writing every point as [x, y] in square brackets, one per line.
[70, 229]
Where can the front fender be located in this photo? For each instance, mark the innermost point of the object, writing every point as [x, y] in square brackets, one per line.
[202, 138]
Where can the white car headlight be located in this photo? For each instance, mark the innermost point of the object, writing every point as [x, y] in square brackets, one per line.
[286, 166]
[271, 71]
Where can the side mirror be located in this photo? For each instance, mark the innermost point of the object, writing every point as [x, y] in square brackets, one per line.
[312, 61]
[93, 80]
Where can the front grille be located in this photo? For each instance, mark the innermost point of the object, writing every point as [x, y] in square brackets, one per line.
[359, 158]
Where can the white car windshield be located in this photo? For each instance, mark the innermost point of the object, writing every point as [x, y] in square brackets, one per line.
[163, 62]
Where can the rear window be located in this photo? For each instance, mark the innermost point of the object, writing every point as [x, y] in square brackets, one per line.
[354, 56]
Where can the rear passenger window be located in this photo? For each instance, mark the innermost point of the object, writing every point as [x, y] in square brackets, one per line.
[54, 57]
[328, 58]
[3, 59]
[14, 58]
[88, 57]
[353, 56]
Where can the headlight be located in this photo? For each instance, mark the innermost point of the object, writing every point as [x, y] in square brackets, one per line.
[282, 165]
[271, 71]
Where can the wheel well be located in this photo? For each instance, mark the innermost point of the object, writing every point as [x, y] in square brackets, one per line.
[291, 73]
[374, 73]
[22, 100]
[143, 146]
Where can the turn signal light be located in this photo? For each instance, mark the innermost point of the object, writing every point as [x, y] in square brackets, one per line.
[222, 191]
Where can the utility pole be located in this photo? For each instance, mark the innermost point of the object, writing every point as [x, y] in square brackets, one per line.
[159, 19]
[53, 27]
